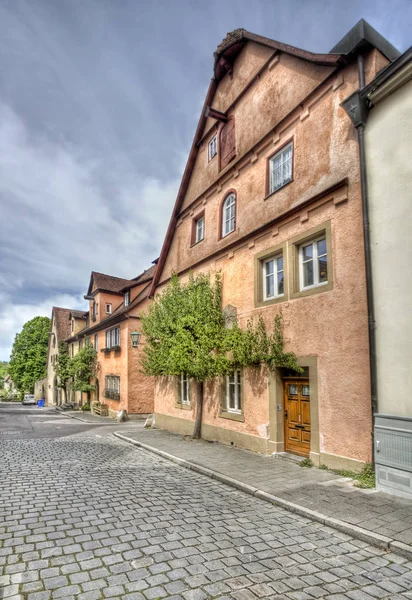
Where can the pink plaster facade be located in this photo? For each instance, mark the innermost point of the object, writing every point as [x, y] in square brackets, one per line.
[290, 100]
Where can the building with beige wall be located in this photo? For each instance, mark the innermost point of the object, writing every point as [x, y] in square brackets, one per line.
[59, 330]
[387, 123]
[271, 198]
[115, 305]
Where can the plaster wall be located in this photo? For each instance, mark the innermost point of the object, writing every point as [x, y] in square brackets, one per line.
[265, 103]
[389, 148]
[329, 326]
[51, 357]
[101, 299]
[114, 363]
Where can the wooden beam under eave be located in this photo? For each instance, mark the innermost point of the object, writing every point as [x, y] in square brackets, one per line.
[215, 114]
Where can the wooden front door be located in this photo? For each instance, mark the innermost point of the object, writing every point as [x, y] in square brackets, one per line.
[297, 417]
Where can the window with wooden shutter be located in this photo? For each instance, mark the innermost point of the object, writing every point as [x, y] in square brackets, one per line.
[227, 143]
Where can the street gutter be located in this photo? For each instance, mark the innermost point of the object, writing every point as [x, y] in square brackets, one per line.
[374, 539]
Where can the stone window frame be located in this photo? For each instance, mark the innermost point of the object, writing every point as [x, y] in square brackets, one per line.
[179, 403]
[225, 413]
[260, 258]
[294, 245]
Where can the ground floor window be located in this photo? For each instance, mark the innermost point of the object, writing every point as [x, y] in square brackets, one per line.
[184, 397]
[112, 387]
[234, 392]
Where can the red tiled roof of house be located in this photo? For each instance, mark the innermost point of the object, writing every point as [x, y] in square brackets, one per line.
[61, 315]
[107, 283]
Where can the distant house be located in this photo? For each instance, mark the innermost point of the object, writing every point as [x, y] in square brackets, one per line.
[59, 331]
[112, 326]
[8, 384]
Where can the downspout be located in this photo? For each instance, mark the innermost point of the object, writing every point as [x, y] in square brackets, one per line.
[357, 109]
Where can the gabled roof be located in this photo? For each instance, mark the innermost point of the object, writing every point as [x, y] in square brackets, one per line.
[106, 283]
[118, 315]
[144, 277]
[62, 318]
[224, 56]
[234, 41]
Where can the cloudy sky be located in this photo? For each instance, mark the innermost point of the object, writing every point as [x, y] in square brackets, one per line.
[99, 100]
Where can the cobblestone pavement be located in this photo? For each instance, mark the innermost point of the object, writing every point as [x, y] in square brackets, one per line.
[316, 489]
[95, 518]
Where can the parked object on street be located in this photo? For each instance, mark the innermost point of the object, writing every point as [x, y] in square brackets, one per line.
[150, 422]
[29, 399]
[40, 403]
[121, 416]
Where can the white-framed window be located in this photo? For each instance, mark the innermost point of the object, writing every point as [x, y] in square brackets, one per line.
[96, 342]
[229, 215]
[313, 263]
[213, 147]
[273, 277]
[127, 298]
[184, 389]
[108, 309]
[234, 392]
[280, 168]
[200, 229]
[113, 337]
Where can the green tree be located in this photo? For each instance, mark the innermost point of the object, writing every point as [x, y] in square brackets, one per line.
[185, 333]
[82, 369]
[28, 360]
[62, 367]
[4, 369]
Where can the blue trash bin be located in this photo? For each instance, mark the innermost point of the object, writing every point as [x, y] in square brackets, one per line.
[40, 402]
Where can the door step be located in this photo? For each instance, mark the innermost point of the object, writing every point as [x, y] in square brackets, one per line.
[288, 456]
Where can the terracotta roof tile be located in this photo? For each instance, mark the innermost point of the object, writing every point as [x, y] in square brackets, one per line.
[61, 315]
[107, 282]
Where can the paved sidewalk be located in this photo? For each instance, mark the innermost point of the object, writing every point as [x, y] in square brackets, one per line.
[321, 495]
[87, 417]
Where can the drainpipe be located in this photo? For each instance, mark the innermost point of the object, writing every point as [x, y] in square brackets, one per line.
[357, 109]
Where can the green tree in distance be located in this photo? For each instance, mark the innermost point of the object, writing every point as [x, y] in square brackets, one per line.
[4, 369]
[62, 367]
[185, 334]
[28, 360]
[82, 369]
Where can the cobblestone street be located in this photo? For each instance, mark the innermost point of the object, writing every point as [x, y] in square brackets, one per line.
[93, 517]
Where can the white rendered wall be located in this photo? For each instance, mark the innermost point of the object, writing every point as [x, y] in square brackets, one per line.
[389, 167]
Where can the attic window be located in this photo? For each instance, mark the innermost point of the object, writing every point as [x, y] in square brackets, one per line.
[227, 143]
[127, 298]
[213, 147]
[108, 309]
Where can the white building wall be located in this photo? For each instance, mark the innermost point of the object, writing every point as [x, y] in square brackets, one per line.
[388, 137]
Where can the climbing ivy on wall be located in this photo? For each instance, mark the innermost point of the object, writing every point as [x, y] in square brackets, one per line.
[185, 333]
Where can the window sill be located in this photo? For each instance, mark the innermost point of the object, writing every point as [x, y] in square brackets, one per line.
[232, 416]
[318, 289]
[278, 190]
[262, 303]
[183, 406]
[196, 243]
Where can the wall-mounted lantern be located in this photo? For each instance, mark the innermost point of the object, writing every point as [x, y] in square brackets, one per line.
[135, 337]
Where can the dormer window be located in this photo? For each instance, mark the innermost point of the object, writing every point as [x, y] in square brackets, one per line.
[108, 309]
[127, 298]
[72, 325]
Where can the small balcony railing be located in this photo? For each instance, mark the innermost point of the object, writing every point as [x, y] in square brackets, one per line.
[111, 394]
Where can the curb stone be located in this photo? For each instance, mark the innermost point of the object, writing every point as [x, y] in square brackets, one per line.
[374, 539]
[61, 412]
